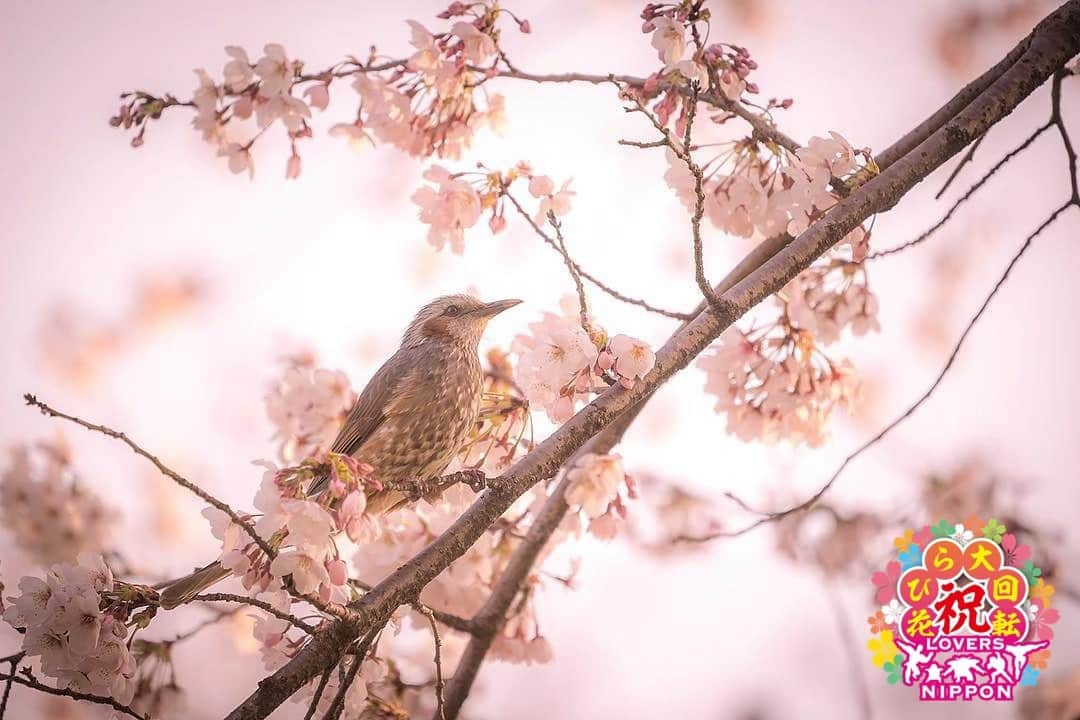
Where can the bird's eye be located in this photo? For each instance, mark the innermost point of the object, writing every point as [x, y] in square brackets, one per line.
[452, 311]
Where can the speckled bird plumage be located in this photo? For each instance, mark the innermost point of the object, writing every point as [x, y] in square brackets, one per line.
[415, 413]
[413, 416]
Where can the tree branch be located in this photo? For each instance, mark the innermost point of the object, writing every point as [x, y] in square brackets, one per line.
[588, 276]
[810, 501]
[162, 468]
[965, 197]
[491, 618]
[31, 682]
[260, 604]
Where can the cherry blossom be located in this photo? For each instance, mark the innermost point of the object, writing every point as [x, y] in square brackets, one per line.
[450, 207]
[557, 202]
[238, 72]
[78, 643]
[45, 509]
[633, 359]
[276, 72]
[555, 365]
[594, 483]
[306, 408]
[775, 383]
[307, 573]
[478, 46]
[669, 39]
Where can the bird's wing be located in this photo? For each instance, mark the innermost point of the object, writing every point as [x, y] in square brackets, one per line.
[372, 406]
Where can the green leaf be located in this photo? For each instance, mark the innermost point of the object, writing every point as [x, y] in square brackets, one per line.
[993, 530]
[944, 528]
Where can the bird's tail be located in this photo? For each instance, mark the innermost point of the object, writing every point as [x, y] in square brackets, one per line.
[187, 587]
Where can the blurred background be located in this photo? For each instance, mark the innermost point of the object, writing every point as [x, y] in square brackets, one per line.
[153, 291]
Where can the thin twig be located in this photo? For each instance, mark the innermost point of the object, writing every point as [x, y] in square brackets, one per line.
[965, 197]
[810, 501]
[13, 661]
[338, 703]
[583, 305]
[162, 468]
[31, 682]
[454, 622]
[440, 683]
[319, 692]
[1056, 119]
[683, 152]
[968, 157]
[621, 297]
[209, 622]
[261, 604]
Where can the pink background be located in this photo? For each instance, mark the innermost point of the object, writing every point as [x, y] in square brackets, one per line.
[336, 262]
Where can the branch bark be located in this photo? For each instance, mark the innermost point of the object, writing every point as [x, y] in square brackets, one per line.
[1053, 42]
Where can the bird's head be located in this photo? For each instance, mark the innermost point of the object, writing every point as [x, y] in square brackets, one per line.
[459, 319]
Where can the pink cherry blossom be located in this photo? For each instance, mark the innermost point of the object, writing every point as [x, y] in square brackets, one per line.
[552, 359]
[427, 57]
[275, 71]
[669, 39]
[307, 572]
[450, 207]
[478, 45]
[594, 483]
[541, 185]
[555, 202]
[239, 158]
[771, 394]
[77, 643]
[691, 71]
[833, 155]
[633, 358]
[306, 408]
[48, 512]
[238, 72]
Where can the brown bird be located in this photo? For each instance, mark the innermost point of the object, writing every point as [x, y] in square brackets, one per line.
[411, 419]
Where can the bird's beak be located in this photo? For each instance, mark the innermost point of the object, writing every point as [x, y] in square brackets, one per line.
[494, 308]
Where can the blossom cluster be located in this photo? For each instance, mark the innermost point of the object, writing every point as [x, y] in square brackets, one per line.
[757, 188]
[69, 625]
[454, 202]
[302, 531]
[561, 365]
[677, 39]
[307, 406]
[44, 508]
[596, 487]
[774, 383]
[431, 103]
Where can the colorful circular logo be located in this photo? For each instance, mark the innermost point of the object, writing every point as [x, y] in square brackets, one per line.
[965, 613]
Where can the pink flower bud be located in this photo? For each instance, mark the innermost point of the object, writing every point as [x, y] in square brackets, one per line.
[242, 108]
[497, 224]
[292, 171]
[337, 571]
[525, 27]
[605, 360]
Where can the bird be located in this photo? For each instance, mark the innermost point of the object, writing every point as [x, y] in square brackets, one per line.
[411, 419]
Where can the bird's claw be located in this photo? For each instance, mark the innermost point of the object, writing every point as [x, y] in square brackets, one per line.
[475, 478]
